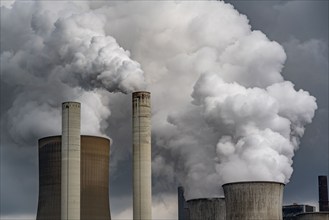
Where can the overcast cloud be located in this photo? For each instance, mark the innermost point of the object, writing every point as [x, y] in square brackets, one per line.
[229, 91]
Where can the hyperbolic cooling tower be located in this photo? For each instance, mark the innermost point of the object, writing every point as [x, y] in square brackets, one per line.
[142, 192]
[313, 216]
[206, 209]
[70, 196]
[253, 200]
[94, 181]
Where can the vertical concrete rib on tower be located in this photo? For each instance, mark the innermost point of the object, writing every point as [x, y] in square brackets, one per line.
[71, 151]
[142, 191]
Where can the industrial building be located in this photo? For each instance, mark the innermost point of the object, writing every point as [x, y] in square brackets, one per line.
[306, 212]
[290, 211]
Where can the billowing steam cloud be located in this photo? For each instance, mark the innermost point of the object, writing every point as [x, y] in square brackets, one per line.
[69, 57]
[221, 109]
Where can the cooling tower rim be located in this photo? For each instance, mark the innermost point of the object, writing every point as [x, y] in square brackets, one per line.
[251, 182]
[59, 136]
[66, 102]
[142, 91]
[313, 213]
[206, 199]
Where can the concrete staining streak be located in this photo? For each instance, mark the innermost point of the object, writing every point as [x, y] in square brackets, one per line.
[71, 151]
[207, 209]
[142, 192]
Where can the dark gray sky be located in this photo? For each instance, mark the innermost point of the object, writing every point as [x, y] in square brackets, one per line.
[301, 27]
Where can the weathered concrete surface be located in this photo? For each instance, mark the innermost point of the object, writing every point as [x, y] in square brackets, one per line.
[206, 209]
[95, 152]
[313, 216]
[253, 200]
[71, 150]
[142, 187]
[95, 158]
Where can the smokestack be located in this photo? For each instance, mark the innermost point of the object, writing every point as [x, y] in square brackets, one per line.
[253, 200]
[323, 193]
[142, 191]
[206, 209]
[71, 150]
[181, 204]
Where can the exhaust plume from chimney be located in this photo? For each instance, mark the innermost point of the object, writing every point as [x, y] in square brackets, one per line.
[242, 122]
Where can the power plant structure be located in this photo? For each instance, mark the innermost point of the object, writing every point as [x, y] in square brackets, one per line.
[323, 194]
[73, 172]
[290, 211]
[142, 184]
[256, 200]
[313, 216]
[206, 209]
[182, 205]
[71, 151]
[74, 179]
[74, 169]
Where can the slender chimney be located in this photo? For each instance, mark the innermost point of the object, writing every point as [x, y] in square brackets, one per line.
[181, 203]
[323, 193]
[70, 182]
[142, 191]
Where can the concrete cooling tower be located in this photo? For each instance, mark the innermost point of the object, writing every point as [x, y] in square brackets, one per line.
[142, 185]
[206, 209]
[253, 200]
[313, 216]
[94, 179]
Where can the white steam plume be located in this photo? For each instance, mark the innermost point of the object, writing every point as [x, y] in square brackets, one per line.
[221, 108]
[63, 54]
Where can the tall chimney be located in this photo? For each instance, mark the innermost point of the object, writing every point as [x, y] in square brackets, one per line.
[323, 193]
[181, 204]
[70, 167]
[142, 191]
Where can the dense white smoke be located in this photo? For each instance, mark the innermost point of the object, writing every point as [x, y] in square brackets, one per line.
[221, 109]
[62, 55]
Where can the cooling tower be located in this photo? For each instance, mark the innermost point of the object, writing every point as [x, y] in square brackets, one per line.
[206, 209]
[142, 192]
[70, 195]
[313, 216]
[323, 193]
[94, 180]
[253, 200]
